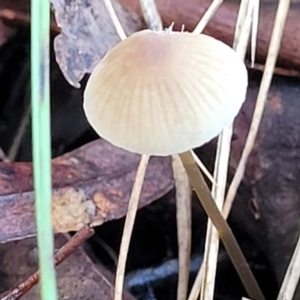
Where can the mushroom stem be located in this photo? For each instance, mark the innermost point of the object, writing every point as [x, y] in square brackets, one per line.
[129, 222]
[234, 252]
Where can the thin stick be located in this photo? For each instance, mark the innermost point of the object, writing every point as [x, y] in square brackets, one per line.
[151, 15]
[129, 222]
[292, 276]
[115, 19]
[278, 28]
[183, 215]
[74, 242]
[225, 233]
[207, 16]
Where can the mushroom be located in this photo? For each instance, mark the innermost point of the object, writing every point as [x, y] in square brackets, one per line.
[164, 93]
[161, 93]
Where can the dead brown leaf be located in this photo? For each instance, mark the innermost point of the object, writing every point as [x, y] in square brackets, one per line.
[92, 183]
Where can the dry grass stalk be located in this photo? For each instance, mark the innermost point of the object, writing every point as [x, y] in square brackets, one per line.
[278, 28]
[207, 16]
[13, 151]
[183, 215]
[3, 157]
[195, 291]
[240, 46]
[292, 276]
[212, 238]
[208, 268]
[232, 248]
[129, 223]
[151, 15]
[114, 18]
[255, 18]
[203, 168]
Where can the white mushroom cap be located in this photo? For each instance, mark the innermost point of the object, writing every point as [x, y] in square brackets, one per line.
[161, 93]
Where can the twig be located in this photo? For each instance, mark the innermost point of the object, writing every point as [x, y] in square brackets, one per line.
[183, 216]
[82, 235]
[278, 28]
[129, 222]
[292, 276]
[115, 20]
[151, 15]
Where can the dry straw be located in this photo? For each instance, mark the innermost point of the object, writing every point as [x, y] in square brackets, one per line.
[206, 285]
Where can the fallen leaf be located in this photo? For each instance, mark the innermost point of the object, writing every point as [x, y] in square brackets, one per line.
[92, 183]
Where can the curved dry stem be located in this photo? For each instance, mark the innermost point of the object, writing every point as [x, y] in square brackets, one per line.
[225, 233]
[183, 215]
[278, 28]
[151, 15]
[118, 26]
[129, 222]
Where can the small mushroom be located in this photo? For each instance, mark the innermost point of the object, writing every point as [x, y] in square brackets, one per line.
[164, 93]
[161, 93]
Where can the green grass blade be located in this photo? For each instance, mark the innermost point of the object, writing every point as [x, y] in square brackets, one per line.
[40, 93]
